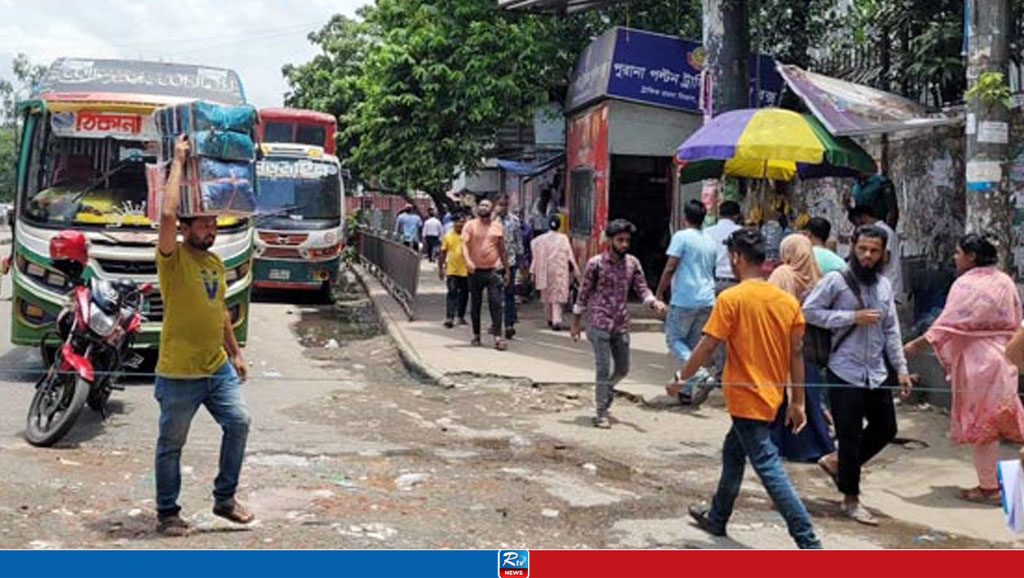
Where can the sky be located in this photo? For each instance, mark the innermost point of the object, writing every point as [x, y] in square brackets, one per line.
[253, 37]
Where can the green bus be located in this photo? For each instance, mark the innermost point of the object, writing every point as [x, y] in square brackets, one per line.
[300, 218]
[87, 135]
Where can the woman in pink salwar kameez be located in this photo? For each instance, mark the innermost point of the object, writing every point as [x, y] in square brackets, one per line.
[983, 310]
[553, 263]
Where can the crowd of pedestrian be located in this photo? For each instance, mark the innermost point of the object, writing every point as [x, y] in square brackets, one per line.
[828, 329]
[808, 356]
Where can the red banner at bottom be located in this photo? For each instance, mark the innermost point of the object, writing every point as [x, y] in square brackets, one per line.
[775, 564]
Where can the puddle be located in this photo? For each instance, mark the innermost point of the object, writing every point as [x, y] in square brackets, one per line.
[351, 318]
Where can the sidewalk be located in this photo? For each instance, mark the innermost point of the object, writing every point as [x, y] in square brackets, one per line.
[537, 353]
[912, 481]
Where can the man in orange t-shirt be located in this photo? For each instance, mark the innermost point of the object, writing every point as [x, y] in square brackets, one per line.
[762, 329]
[483, 248]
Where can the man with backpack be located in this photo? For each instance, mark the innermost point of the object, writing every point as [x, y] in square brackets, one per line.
[857, 304]
[603, 295]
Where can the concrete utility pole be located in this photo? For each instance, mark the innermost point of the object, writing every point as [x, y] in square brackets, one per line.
[727, 51]
[989, 207]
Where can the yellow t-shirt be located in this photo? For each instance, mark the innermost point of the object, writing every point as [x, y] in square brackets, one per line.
[455, 265]
[755, 320]
[192, 338]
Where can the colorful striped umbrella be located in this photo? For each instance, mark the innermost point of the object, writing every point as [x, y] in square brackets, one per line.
[770, 143]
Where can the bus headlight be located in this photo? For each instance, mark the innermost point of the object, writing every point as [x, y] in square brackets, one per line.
[47, 277]
[321, 252]
[236, 273]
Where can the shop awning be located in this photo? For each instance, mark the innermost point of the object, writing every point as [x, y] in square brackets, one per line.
[530, 169]
[849, 109]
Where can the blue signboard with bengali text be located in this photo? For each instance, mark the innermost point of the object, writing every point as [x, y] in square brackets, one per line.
[655, 69]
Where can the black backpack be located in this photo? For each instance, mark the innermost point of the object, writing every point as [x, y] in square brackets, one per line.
[818, 346]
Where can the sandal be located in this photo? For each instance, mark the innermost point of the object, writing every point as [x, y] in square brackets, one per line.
[172, 526]
[824, 467]
[233, 511]
[860, 514]
[500, 344]
[980, 495]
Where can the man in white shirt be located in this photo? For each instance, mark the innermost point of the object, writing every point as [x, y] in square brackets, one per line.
[432, 231]
[728, 218]
[893, 270]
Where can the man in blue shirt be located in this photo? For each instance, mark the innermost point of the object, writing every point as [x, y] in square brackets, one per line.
[818, 230]
[408, 225]
[692, 257]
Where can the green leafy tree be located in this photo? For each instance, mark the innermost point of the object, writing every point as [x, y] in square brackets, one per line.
[26, 76]
[421, 89]
[439, 79]
[921, 39]
[330, 81]
[789, 29]
[8, 163]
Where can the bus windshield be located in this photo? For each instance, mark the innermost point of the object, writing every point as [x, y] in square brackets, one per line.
[299, 189]
[88, 181]
[83, 182]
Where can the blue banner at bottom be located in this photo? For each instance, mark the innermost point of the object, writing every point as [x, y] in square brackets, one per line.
[251, 564]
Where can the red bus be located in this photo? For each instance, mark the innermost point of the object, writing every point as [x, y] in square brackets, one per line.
[297, 126]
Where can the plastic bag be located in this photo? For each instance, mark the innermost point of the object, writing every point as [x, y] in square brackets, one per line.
[197, 116]
[223, 145]
[1011, 487]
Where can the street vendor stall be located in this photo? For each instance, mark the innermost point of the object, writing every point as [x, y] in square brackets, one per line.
[774, 146]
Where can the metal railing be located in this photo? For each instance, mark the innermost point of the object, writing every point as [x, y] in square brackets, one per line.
[395, 265]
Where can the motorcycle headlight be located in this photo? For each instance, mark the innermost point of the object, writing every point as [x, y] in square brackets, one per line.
[100, 322]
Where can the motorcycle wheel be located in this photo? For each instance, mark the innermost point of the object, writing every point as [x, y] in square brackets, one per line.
[98, 399]
[55, 407]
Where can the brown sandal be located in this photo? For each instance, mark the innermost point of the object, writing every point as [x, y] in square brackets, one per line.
[173, 526]
[823, 464]
[980, 495]
[234, 512]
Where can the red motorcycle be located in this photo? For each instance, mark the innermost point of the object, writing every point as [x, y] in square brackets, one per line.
[95, 331]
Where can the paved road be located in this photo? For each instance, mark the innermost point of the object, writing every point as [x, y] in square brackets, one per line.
[914, 481]
[348, 451]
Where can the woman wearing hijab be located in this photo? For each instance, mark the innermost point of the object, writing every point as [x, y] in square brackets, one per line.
[797, 275]
[551, 266]
[970, 337]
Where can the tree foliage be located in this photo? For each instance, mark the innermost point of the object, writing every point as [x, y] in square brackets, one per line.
[921, 39]
[8, 164]
[439, 80]
[26, 76]
[330, 81]
[789, 29]
[421, 88]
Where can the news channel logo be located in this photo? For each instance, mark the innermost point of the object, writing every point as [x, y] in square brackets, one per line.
[513, 564]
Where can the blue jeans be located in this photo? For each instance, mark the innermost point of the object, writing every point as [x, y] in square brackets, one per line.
[179, 399]
[752, 439]
[683, 329]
